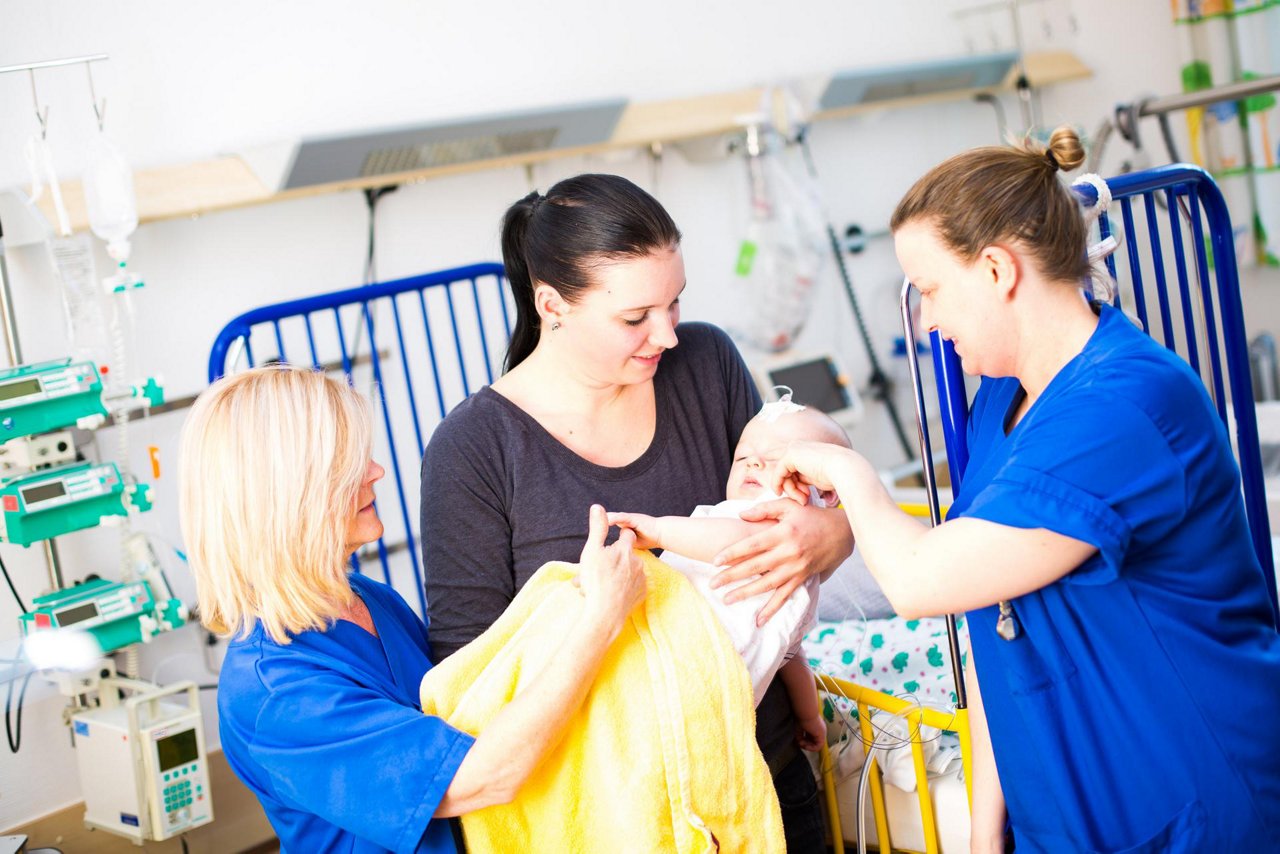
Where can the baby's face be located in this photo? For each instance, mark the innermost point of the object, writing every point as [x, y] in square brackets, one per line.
[760, 448]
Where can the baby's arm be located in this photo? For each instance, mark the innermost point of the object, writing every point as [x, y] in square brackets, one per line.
[701, 538]
[812, 730]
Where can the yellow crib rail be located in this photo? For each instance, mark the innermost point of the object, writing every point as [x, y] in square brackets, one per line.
[867, 699]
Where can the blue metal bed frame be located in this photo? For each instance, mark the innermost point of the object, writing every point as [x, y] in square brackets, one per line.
[414, 391]
[1206, 337]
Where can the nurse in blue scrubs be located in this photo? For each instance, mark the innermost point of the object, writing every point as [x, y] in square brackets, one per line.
[318, 695]
[1124, 642]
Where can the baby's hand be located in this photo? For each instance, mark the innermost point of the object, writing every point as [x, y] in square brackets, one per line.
[811, 733]
[644, 527]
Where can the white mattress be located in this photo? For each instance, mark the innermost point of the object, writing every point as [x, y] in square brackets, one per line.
[950, 809]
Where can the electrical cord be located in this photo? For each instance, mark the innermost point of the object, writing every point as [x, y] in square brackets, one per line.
[21, 607]
[372, 196]
[1002, 127]
[865, 775]
[13, 725]
[880, 385]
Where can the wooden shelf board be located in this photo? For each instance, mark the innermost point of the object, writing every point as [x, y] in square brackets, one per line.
[225, 183]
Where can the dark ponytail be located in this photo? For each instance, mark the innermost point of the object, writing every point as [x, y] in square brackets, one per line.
[558, 238]
[515, 228]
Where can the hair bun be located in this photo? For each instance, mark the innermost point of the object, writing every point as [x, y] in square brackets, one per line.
[1065, 150]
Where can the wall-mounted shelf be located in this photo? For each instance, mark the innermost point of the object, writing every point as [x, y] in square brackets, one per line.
[231, 181]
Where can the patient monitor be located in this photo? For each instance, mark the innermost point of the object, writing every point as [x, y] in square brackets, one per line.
[814, 380]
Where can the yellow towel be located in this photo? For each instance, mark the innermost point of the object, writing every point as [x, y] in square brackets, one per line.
[661, 757]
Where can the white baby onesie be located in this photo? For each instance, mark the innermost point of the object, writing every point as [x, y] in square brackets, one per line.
[766, 648]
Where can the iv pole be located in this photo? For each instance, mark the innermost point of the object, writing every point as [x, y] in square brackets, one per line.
[13, 346]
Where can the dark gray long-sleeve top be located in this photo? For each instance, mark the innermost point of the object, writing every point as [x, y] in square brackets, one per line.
[501, 496]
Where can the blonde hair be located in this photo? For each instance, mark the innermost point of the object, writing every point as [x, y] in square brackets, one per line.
[269, 469]
[994, 194]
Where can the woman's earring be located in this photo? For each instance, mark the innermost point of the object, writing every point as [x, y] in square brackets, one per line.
[555, 326]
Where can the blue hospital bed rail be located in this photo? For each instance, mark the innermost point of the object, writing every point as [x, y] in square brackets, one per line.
[1177, 274]
[417, 346]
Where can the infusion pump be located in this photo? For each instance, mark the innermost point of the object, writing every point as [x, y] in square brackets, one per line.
[142, 761]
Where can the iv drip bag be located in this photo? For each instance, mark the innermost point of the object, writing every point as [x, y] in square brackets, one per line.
[108, 191]
[783, 249]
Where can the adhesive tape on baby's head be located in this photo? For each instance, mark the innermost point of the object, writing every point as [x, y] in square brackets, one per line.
[775, 409]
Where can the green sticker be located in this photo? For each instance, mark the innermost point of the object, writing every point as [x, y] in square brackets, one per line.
[746, 258]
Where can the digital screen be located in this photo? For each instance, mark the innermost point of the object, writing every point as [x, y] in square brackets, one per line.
[177, 749]
[43, 492]
[78, 614]
[813, 383]
[20, 388]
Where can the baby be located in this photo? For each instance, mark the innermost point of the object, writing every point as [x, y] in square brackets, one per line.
[690, 542]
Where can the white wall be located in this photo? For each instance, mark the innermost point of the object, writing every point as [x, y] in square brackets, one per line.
[190, 80]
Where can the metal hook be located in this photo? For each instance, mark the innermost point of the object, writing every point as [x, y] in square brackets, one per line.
[99, 112]
[656, 152]
[41, 117]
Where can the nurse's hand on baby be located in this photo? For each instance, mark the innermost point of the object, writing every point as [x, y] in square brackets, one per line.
[820, 464]
[610, 577]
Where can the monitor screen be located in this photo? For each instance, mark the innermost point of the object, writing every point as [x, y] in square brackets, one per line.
[813, 383]
[177, 749]
[78, 614]
[43, 492]
[20, 388]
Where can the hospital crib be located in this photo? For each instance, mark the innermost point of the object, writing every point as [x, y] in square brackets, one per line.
[417, 346]
[1177, 275]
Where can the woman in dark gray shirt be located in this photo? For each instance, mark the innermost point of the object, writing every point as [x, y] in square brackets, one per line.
[598, 405]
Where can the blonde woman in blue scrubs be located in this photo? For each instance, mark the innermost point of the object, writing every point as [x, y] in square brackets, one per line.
[318, 694]
[1131, 681]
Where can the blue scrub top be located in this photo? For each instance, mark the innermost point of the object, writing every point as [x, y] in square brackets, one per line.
[1136, 709]
[328, 733]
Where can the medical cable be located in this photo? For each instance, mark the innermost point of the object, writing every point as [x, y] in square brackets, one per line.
[372, 196]
[879, 383]
[883, 736]
[865, 775]
[13, 726]
[1002, 127]
[21, 607]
